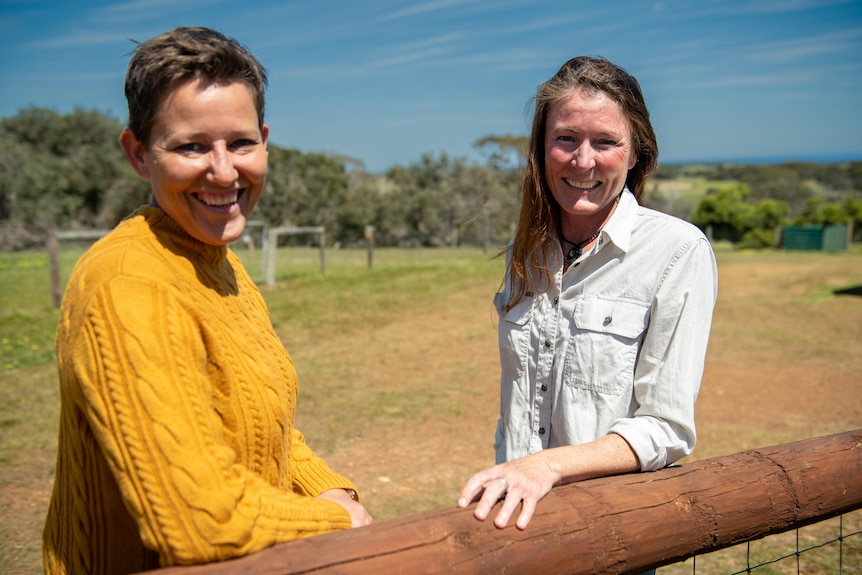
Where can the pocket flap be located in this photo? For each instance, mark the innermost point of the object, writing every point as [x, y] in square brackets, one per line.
[518, 315]
[625, 318]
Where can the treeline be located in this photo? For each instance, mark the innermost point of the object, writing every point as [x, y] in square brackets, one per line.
[747, 204]
[67, 171]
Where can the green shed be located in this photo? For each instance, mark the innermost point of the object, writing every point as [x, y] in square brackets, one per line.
[816, 238]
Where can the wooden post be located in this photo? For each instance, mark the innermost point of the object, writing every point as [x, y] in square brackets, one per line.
[369, 241]
[623, 524]
[270, 248]
[322, 233]
[54, 258]
[54, 255]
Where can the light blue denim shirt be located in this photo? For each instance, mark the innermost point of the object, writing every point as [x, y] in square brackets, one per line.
[616, 344]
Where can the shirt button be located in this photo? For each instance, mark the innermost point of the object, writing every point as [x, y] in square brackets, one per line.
[544, 387]
[547, 343]
[608, 320]
[556, 300]
[541, 431]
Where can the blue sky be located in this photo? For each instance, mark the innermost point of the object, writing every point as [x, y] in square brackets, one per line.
[385, 81]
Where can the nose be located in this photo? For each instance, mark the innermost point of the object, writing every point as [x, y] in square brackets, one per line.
[222, 171]
[584, 156]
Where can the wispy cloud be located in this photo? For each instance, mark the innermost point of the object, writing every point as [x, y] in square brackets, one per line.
[552, 23]
[409, 58]
[78, 39]
[842, 41]
[433, 6]
[97, 27]
[124, 11]
[758, 80]
[777, 6]
[425, 50]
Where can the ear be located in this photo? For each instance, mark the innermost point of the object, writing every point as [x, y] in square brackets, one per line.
[633, 160]
[135, 153]
[265, 135]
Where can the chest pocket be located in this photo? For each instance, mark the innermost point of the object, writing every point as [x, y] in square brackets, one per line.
[606, 337]
[514, 333]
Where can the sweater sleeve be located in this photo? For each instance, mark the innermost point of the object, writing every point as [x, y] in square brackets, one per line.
[310, 474]
[141, 363]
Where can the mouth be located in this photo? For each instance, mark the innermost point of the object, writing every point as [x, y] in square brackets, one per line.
[218, 200]
[585, 185]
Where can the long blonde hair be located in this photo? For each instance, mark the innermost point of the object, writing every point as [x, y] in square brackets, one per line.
[540, 214]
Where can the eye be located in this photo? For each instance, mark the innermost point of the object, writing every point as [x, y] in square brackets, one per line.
[605, 144]
[243, 143]
[189, 147]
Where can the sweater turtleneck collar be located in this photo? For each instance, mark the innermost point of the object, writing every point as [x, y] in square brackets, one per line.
[176, 239]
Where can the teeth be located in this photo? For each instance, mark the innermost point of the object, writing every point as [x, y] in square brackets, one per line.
[581, 185]
[218, 199]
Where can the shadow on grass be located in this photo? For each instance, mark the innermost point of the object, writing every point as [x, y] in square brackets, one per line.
[855, 290]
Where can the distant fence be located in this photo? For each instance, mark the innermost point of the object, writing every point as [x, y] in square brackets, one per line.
[271, 247]
[623, 524]
[54, 240]
[269, 237]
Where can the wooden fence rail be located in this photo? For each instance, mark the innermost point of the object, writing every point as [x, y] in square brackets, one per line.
[623, 524]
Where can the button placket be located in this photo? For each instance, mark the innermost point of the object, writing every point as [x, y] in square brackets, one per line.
[550, 323]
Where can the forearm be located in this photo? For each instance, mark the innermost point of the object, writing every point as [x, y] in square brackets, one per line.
[608, 455]
[526, 480]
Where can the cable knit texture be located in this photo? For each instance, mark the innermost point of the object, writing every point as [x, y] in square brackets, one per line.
[177, 401]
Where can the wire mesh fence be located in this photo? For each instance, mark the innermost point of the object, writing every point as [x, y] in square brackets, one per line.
[829, 547]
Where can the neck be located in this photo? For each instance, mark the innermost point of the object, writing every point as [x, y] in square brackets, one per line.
[582, 233]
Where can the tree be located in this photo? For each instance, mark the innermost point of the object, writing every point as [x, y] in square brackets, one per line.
[726, 211]
[819, 212]
[504, 151]
[57, 170]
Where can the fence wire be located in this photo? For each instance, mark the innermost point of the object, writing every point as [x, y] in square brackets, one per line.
[771, 556]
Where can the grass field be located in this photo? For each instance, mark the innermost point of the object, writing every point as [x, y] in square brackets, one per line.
[399, 378]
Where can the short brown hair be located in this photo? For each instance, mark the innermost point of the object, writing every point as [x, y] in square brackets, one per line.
[162, 63]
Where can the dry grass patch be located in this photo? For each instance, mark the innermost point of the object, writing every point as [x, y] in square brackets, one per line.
[399, 376]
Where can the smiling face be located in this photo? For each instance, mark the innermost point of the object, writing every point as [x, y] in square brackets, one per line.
[207, 159]
[588, 153]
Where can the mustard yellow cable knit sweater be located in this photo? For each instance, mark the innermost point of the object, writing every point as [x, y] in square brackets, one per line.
[177, 402]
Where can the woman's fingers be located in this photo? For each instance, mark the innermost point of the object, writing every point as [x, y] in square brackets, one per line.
[528, 507]
[520, 483]
[474, 488]
[494, 490]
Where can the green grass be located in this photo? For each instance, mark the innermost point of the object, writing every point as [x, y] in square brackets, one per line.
[352, 307]
[27, 318]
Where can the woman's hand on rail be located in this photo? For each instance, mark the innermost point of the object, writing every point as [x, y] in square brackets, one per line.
[526, 480]
[523, 482]
[359, 516]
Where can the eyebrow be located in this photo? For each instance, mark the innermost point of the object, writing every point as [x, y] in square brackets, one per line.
[601, 134]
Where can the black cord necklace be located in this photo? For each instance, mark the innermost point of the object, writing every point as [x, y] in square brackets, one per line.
[577, 248]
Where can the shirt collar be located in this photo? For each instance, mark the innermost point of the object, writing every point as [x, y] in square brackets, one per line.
[619, 227]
